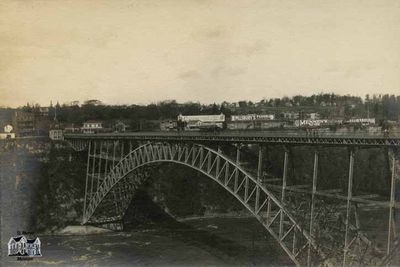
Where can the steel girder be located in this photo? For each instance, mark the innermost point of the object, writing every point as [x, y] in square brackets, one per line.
[264, 206]
[246, 137]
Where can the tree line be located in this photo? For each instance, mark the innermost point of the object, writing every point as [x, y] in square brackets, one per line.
[381, 107]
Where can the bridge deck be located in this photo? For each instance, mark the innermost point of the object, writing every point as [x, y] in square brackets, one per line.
[298, 138]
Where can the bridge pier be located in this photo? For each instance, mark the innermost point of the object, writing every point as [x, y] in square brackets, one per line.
[87, 180]
[284, 178]
[394, 215]
[349, 204]
[238, 146]
[259, 173]
[312, 207]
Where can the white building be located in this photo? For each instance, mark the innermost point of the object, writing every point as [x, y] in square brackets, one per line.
[7, 134]
[290, 115]
[56, 134]
[196, 122]
[21, 246]
[44, 111]
[92, 127]
[363, 121]
[253, 117]
[314, 116]
[310, 123]
[202, 118]
[168, 125]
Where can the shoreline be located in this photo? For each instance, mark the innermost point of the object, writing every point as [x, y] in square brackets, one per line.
[82, 230]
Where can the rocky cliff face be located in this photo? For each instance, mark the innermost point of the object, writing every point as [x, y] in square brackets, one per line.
[20, 170]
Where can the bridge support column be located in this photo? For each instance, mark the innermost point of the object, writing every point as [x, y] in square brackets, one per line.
[237, 163]
[348, 206]
[99, 167]
[116, 190]
[87, 180]
[394, 216]
[217, 167]
[284, 178]
[93, 168]
[106, 163]
[130, 146]
[314, 190]
[259, 174]
[114, 152]
[121, 150]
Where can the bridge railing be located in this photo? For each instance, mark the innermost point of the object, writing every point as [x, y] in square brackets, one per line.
[243, 133]
[286, 133]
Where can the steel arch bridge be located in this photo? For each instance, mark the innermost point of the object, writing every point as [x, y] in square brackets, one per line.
[115, 171]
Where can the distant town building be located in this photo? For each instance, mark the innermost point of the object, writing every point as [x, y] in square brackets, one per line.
[310, 123]
[202, 118]
[240, 125]
[120, 127]
[44, 111]
[168, 125]
[70, 128]
[92, 127]
[253, 117]
[7, 134]
[253, 125]
[56, 134]
[363, 121]
[271, 125]
[314, 116]
[24, 123]
[8, 128]
[193, 122]
[290, 115]
[317, 123]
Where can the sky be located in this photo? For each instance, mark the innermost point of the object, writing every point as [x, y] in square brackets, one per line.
[140, 52]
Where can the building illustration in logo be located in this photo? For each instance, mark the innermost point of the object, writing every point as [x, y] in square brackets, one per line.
[21, 246]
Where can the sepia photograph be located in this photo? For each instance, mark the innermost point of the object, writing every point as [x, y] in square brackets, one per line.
[200, 133]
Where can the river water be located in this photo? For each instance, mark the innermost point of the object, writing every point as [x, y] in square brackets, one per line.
[195, 242]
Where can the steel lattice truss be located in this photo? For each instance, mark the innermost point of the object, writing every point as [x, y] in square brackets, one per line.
[310, 227]
[250, 192]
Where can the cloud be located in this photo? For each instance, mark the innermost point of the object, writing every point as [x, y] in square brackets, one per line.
[211, 32]
[222, 71]
[251, 49]
[190, 74]
[351, 68]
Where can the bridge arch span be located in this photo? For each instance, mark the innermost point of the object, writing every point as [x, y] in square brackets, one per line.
[262, 204]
